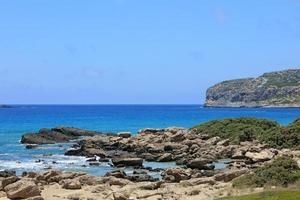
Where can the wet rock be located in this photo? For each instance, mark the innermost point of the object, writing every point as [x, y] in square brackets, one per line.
[127, 162]
[117, 174]
[199, 163]
[31, 146]
[85, 151]
[55, 135]
[141, 178]
[7, 173]
[22, 189]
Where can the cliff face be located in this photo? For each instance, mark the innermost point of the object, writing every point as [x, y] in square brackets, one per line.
[274, 89]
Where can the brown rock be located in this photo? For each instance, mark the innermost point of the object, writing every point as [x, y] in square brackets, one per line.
[198, 181]
[127, 161]
[9, 180]
[228, 175]
[22, 189]
[71, 184]
[124, 134]
[167, 157]
[199, 163]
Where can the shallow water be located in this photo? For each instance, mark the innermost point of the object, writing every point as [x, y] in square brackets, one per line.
[107, 118]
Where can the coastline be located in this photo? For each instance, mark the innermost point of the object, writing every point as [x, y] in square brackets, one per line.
[195, 176]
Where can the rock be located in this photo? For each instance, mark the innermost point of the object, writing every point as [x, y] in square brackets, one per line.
[198, 181]
[75, 196]
[120, 196]
[199, 163]
[86, 151]
[141, 178]
[88, 180]
[70, 184]
[178, 137]
[46, 176]
[29, 175]
[9, 180]
[55, 135]
[228, 175]
[124, 134]
[127, 161]
[31, 146]
[167, 157]
[151, 185]
[117, 174]
[114, 181]
[178, 174]
[223, 142]
[262, 156]
[22, 189]
[238, 154]
[2, 194]
[7, 173]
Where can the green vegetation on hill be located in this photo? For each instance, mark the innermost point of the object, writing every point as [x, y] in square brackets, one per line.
[270, 195]
[247, 129]
[281, 172]
[283, 78]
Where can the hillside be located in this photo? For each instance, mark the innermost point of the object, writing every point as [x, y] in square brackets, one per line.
[274, 89]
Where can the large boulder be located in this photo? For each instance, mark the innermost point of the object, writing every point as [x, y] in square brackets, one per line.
[199, 163]
[22, 189]
[127, 161]
[88, 152]
[167, 157]
[124, 134]
[176, 175]
[262, 156]
[9, 180]
[71, 184]
[228, 175]
[55, 135]
[7, 173]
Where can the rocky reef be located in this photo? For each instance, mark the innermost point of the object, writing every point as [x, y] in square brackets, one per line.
[246, 143]
[55, 135]
[274, 89]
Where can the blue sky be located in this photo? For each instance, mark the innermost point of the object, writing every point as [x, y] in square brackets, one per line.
[138, 51]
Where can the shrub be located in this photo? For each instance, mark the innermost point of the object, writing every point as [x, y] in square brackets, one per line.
[246, 129]
[281, 172]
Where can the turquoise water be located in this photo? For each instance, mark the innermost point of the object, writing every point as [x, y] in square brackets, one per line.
[107, 118]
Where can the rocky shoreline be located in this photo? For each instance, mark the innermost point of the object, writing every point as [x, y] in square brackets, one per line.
[194, 177]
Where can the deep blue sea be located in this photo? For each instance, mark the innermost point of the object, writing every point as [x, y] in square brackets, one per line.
[106, 118]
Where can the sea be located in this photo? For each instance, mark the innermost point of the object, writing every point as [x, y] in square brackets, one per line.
[22, 119]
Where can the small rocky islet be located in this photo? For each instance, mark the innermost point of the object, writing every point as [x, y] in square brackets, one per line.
[249, 144]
